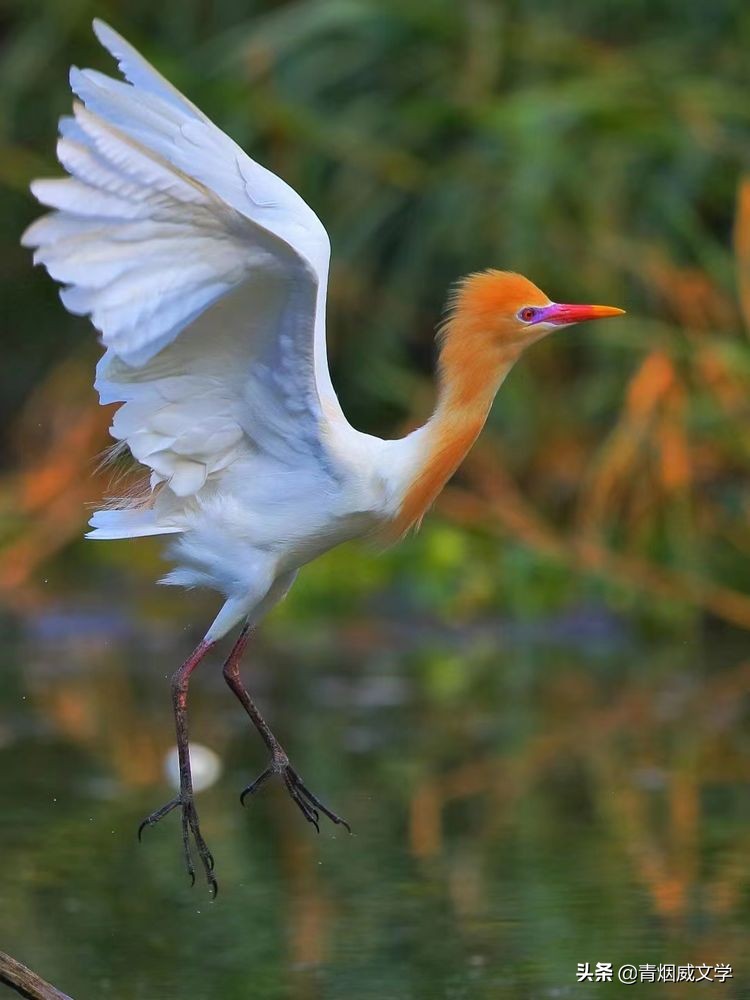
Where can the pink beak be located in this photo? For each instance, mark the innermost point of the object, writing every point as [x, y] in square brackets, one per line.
[563, 314]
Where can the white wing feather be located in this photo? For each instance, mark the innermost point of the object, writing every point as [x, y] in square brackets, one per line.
[205, 275]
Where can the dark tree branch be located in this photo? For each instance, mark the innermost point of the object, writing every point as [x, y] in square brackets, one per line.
[26, 982]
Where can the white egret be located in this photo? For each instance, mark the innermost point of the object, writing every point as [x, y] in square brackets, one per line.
[205, 275]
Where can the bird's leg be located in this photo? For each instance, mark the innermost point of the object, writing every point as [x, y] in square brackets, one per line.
[184, 800]
[309, 805]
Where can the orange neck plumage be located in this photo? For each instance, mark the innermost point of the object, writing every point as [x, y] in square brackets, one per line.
[472, 367]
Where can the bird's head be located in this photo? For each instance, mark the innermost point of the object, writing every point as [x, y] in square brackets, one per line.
[512, 311]
[493, 316]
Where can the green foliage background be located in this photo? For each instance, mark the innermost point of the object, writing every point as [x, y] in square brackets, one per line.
[531, 784]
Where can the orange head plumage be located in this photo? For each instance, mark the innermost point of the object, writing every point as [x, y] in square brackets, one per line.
[493, 316]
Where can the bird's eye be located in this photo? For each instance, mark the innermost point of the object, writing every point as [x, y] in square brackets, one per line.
[527, 314]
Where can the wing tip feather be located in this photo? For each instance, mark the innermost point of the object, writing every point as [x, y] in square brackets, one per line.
[75, 80]
[104, 32]
[110, 39]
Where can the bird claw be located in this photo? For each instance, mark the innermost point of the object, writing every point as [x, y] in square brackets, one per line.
[308, 804]
[253, 787]
[153, 818]
[190, 827]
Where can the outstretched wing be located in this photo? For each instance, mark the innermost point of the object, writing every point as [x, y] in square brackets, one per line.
[204, 273]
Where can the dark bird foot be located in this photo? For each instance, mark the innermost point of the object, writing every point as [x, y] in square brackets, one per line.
[190, 827]
[308, 804]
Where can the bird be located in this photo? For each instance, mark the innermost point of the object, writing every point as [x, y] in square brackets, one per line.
[206, 276]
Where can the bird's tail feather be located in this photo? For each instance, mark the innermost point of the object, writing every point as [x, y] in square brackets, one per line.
[127, 524]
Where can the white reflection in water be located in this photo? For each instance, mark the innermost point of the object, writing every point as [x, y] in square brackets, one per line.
[205, 764]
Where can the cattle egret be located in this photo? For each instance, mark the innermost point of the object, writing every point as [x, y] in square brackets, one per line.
[205, 275]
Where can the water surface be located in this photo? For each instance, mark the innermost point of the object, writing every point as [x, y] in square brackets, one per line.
[522, 799]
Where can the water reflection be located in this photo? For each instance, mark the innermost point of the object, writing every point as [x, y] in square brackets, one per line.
[205, 767]
[519, 806]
